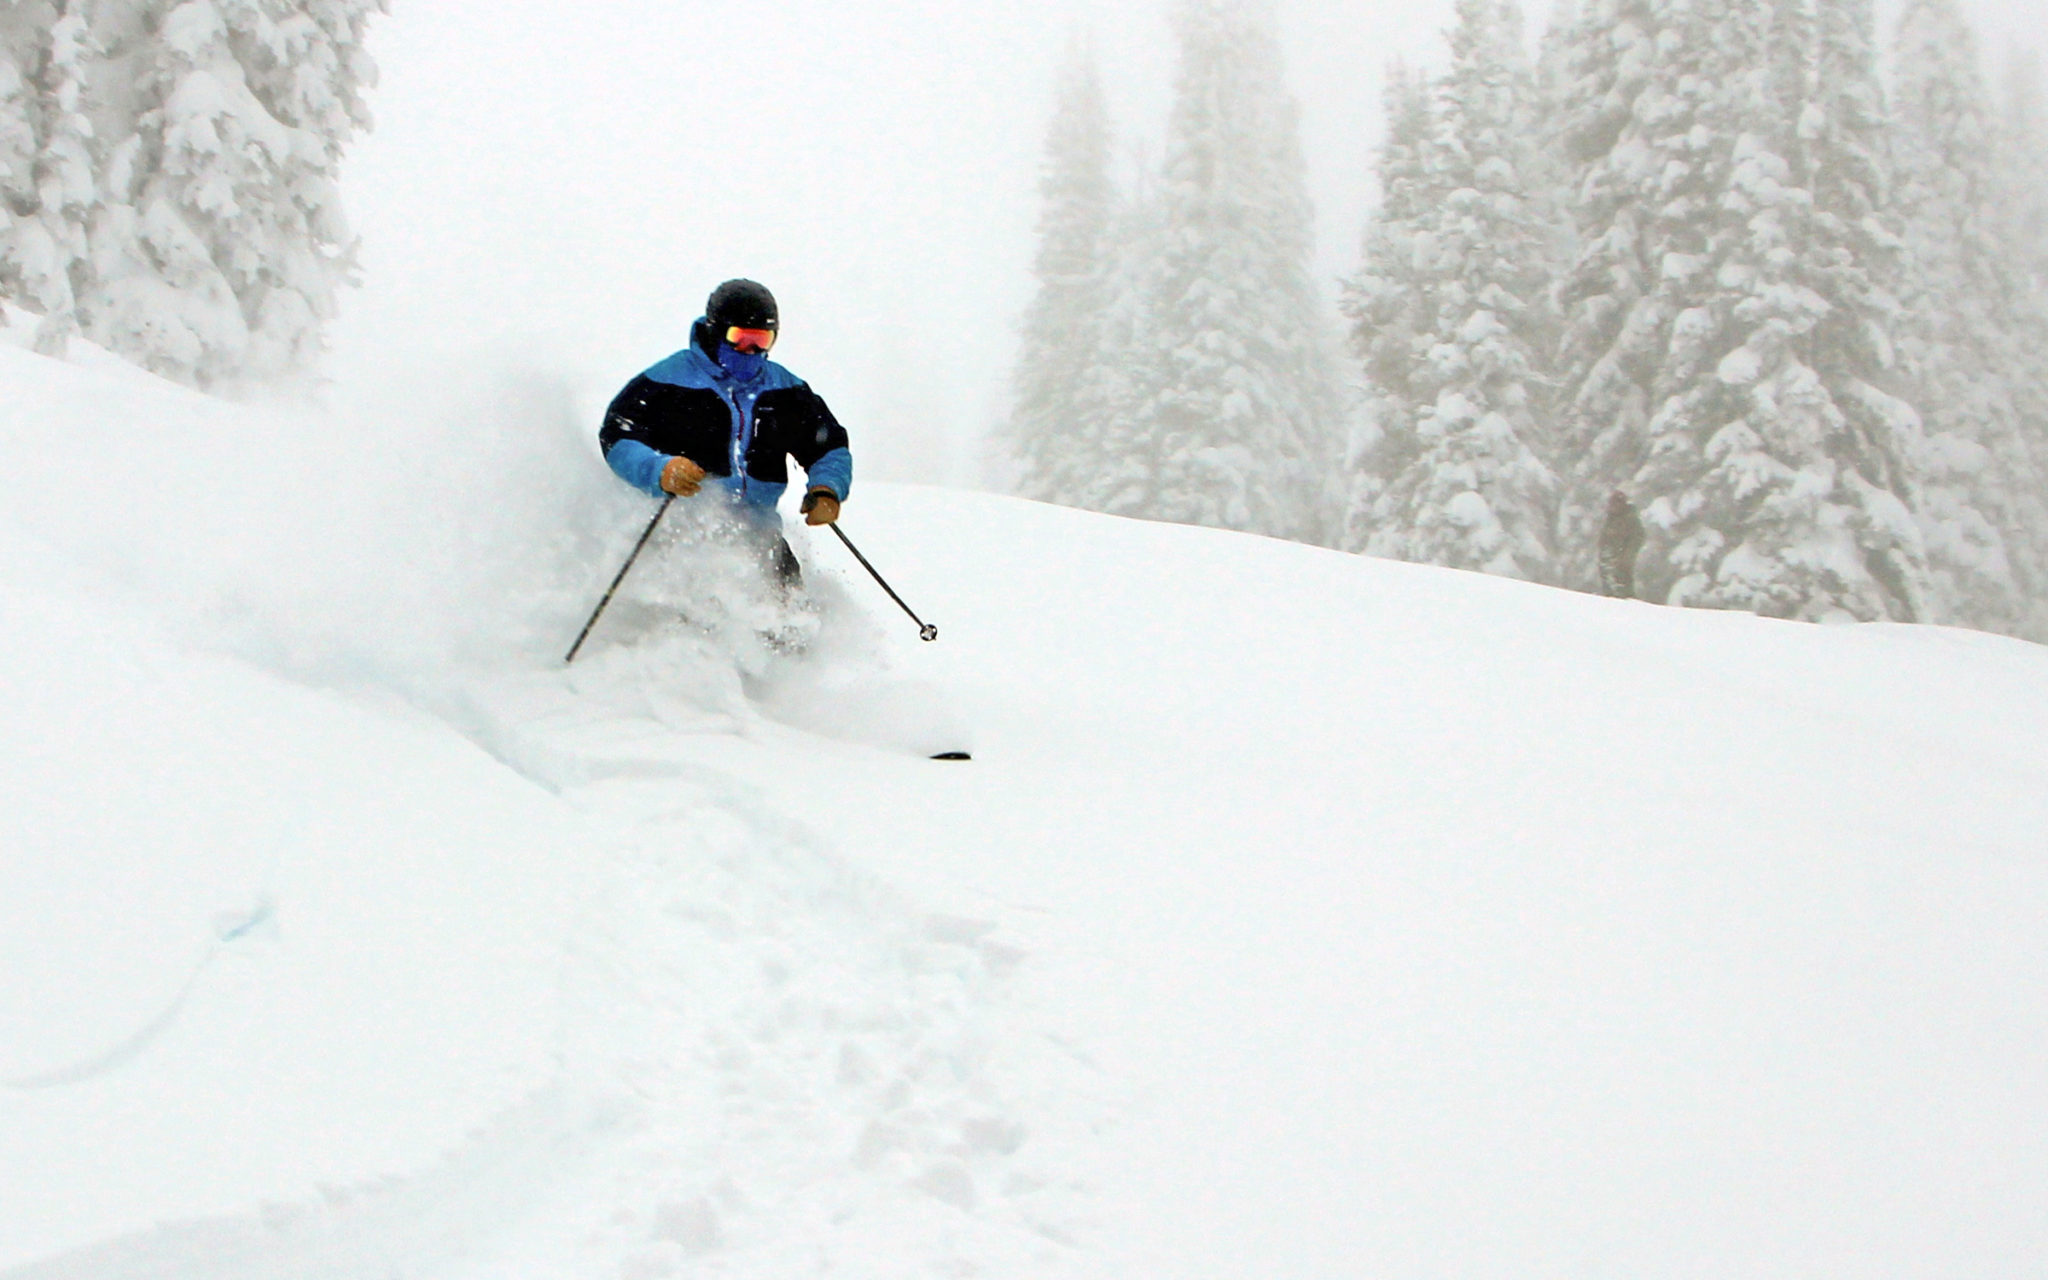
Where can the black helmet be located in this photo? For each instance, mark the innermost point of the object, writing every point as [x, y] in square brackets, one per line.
[741, 304]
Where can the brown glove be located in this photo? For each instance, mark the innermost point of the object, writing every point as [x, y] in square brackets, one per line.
[821, 506]
[681, 477]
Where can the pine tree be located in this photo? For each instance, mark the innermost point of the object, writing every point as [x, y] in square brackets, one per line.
[1059, 422]
[1553, 60]
[1728, 318]
[222, 246]
[1117, 385]
[1470, 414]
[47, 185]
[1240, 428]
[1626, 126]
[23, 34]
[1982, 501]
[167, 174]
[1550, 172]
[2023, 148]
[306, 64]
[2022, 199]
[1850, 254]
[1390, 302]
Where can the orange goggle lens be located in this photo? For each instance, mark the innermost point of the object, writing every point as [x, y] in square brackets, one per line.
[749, 340]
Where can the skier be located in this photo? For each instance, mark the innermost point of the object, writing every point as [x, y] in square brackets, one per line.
[720, 413]
[1621, 541]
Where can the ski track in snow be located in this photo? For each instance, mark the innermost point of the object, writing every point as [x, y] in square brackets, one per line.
[127, 1050]
[850, 1043]
[768, 1063]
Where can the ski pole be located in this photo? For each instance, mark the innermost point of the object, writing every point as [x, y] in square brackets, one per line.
[638, 547]
[925, 630]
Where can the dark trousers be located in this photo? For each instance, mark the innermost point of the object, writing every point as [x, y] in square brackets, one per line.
[789, 575]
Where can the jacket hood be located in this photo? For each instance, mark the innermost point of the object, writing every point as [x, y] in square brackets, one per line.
[703, 339]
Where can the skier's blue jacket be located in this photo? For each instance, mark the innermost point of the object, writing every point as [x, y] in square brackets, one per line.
[740, 420]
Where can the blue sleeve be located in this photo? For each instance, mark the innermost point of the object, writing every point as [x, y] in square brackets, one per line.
[834, 471]
[638, 466]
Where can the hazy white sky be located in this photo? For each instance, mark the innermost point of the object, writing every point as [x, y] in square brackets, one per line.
[557, 184]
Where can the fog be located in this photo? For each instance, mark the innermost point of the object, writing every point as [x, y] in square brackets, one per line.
[553, 187]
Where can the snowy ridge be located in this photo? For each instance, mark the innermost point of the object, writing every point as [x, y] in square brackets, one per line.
[1302, 914]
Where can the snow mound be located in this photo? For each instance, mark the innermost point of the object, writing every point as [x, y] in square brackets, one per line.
[1301, 914]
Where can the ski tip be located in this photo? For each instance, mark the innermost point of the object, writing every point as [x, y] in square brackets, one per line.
[952, 755]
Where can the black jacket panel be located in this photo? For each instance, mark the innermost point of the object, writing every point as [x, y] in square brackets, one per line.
[684, 422]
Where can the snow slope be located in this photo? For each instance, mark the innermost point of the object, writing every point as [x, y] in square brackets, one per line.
[1302, 915]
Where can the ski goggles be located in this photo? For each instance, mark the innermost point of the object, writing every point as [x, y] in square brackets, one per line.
[749, 341]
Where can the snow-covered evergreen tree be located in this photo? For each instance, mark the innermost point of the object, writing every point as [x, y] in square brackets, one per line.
[2023, 152]
[68, 186]
[22, 39]
[1553, 54]
[1119, 384]
[2023, 221]
[1463, 296]
[1060, 418]
[307, 63]
[1618, 57]
[1850, 254]
[1390, 303]
[47, 183]
[1241, 426]
[1982, 499]
[167, 174]
[221, 245]
[1728, 317]
[1551, 173]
